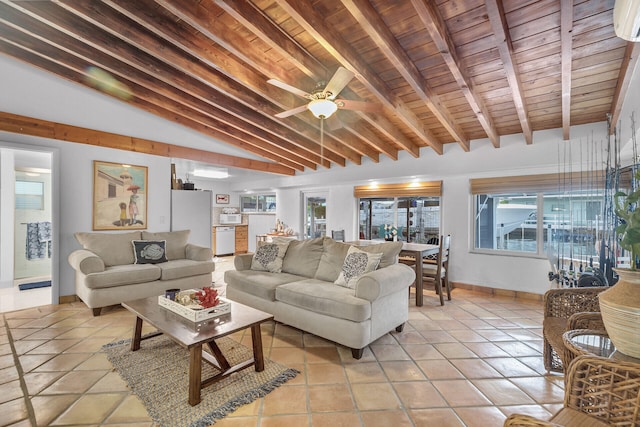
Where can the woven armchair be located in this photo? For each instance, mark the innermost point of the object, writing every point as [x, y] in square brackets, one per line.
[599, 392]
[566, 309]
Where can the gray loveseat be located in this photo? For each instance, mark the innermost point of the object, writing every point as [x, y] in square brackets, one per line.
[106, 271]
[304, 295]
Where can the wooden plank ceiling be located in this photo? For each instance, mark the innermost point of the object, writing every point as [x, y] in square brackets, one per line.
[440, 72]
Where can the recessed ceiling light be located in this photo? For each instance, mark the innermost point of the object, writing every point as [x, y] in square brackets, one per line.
[211, 173]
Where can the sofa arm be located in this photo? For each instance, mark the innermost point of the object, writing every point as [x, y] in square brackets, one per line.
[243, 262]
[198, 253]
[86, 261]
[384, 281]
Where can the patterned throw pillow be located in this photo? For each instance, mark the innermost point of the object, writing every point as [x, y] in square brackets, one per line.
[356, 263]
[269, 257]
[149, 251]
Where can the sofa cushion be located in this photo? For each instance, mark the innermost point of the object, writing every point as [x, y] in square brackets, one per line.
[179, 268]
[330, 264]
[269, 257]
[120, 275]
[357, 263]
[325, 298]
[113, 248]
[262, 284]
[389, 251]
[176, 242]
[303, 256]
[149, 251]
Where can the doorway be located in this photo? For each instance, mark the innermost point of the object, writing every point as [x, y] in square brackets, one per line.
[315, 215]
[26, 218]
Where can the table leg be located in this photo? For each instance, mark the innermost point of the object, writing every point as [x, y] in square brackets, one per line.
[195, 374]
[256, 339]
[223, 363]
[137, 334]
[419, 284]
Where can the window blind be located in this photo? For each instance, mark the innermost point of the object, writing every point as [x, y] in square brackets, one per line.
[551, 182]
[408, 189]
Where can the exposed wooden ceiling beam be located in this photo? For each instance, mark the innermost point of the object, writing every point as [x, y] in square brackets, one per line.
[163, 108]
[505, 47]
[263, 27]
[566, 42]
[70, 50]
[46, 129]
[629, 63]
[434, 23]
[175, 34]
[253, 106]
[376, 28]
[254, 19]
[195, 15]
[314, 24]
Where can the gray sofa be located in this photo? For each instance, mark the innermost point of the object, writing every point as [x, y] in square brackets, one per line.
[106, 272]
[304, 295]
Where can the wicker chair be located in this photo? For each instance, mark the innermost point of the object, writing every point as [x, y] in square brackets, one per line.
[566, 309]
[599, 392]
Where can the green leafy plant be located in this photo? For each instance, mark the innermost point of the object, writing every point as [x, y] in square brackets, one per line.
[629, 230]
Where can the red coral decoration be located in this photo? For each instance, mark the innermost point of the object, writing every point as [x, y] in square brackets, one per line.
[208, 297]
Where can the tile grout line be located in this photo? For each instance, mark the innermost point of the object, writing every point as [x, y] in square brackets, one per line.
[18, 366]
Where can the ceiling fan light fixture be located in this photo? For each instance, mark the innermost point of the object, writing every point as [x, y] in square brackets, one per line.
[322, 108]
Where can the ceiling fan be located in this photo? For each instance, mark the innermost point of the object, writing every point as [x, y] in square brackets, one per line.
[323, 101]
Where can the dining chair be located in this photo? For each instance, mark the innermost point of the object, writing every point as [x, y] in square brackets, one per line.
[337, 235]
[438, 272]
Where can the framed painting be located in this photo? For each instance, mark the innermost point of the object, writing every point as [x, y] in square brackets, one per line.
[119, 196]
[222, 199]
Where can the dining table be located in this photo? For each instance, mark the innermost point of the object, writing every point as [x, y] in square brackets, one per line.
[410, 249]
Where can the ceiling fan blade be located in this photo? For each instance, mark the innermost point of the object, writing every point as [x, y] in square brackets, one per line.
[291, 112]
[369, 107]
[289, 88]
[340, 79]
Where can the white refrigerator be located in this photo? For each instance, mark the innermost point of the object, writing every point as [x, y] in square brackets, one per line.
[193, 210]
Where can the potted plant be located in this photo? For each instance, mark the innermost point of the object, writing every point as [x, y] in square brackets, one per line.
[620, 304]
[629, 230]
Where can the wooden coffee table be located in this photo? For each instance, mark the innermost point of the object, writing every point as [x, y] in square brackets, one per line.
[194, 335]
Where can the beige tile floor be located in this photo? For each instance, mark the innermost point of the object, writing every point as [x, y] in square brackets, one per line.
[469, 363]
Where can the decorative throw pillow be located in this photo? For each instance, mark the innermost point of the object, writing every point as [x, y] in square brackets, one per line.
[269, 257]
[149, 251]
[356, 263]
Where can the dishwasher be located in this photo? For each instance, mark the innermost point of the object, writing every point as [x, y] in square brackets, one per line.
[225, 240]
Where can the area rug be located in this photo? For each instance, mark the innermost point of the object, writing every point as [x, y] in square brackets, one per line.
[34, 285]
[158, 374]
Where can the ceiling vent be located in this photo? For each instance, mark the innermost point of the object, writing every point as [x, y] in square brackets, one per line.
[626, 19]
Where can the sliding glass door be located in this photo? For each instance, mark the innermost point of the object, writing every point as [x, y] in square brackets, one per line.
[417, 219]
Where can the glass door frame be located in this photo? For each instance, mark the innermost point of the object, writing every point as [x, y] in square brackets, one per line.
[310, 222]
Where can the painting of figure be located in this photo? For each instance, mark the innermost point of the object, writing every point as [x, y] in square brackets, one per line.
[119, 196]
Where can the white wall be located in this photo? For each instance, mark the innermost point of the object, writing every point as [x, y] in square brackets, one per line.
[7, 215]
[455, 168]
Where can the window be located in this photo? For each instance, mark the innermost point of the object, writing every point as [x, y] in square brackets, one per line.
[537, 218]
[417, 219]
[29, 195]
[258, 203]
[413, 208]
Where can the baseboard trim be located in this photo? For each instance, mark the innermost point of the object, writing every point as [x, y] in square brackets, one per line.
[500, 292]
[66, 299]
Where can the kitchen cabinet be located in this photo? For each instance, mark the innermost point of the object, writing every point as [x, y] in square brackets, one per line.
[242, 239]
